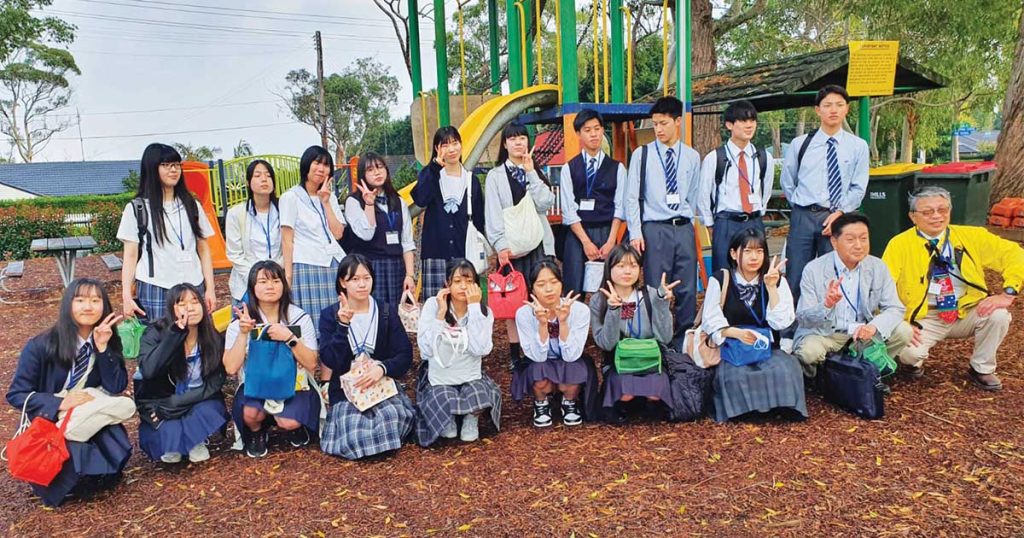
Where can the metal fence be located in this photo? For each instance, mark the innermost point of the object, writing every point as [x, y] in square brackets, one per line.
[227, 178]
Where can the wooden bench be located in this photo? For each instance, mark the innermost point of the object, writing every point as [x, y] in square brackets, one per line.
[112, 262]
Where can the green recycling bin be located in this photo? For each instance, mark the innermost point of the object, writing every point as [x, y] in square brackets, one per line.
[968, 183]
[886, 202]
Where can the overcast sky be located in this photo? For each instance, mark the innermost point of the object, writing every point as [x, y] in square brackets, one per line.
[217, 64]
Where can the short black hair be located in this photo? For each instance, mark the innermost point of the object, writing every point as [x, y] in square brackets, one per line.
[586, 115]
[547, 262]
[739, 111]
[830, 89]
[314, 154]
[846, 219]
[668, 105]
[347, 269]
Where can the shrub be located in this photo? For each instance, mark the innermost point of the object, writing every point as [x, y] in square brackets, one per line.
[19, 225]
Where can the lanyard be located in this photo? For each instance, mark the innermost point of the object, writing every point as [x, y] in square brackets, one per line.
[179, 232]
[842, 289]
[322, 213]
[946, 255]
[266, 229]
[591, 183]
[361, 347]
[392, 217]
[664, 167]
[764, 308]
[639, 321]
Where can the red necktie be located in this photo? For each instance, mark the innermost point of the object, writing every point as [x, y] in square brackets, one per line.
[744, 178]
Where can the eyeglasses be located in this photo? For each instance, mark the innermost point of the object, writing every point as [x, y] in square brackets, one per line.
[170, 166]
[931, 211]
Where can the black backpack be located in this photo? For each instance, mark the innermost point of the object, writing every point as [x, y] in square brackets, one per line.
[145, 238]
[722, 165]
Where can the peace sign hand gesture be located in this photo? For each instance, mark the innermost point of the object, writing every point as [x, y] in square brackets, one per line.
[441, 149]
[834, 293]
[245, 322]
[565, 307]
[325, 191]
[614, 300]
[539, 310]
[345, 313]
[666, 288]
[369, 195]
[101, 333]
[528, 160]
[774, 274]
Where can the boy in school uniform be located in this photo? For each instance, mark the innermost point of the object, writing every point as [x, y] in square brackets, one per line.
[591, 189]
[661, 202]
[735, 183]
[824, 174]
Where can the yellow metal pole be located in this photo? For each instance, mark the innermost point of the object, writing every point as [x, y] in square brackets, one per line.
[558, 50]
[462, 54]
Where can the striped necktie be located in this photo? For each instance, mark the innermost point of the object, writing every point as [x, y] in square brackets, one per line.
[591, 170]
[835, 181]
[671, 185]
[520, 175]
[80, 366]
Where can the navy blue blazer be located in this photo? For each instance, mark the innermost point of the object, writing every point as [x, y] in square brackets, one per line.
[444, 234]
[393, 347]
[42, 374]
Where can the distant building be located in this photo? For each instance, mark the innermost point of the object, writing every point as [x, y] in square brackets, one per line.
[978, 143]
[31, 180]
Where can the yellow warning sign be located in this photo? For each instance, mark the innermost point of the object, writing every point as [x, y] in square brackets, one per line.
[872, 68]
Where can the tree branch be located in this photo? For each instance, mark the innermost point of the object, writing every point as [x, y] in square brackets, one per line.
[737, 16]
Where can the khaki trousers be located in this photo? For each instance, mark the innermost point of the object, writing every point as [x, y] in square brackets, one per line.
[813, 349]
[988, 333]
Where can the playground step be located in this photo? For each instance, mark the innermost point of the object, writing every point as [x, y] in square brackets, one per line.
[112, 262]
[15, 269]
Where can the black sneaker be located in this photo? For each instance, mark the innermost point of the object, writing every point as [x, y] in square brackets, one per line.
[256, 444]
[299, 437]
[571, 414]
[542, 414]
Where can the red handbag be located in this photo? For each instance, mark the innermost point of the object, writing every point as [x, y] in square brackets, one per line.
[38, 450]
[506, 293]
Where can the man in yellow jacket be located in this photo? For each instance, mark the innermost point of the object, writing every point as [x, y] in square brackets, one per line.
[939, 271]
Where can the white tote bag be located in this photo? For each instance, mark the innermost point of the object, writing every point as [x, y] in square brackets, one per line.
[523, 228]
[477, 247]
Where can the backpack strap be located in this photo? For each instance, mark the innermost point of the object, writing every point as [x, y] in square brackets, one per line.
[800, 156]
[721, 167]
[145, 238]
[721, 301]
[643, 180]
[762, 163]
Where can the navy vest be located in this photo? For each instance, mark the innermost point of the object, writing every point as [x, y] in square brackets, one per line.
[518, 190]
[603, 192]
[737, 313]
[377, 247]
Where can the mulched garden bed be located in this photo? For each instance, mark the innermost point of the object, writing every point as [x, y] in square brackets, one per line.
[947, 460]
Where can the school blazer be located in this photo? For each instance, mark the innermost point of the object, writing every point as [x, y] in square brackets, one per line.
[156, 391]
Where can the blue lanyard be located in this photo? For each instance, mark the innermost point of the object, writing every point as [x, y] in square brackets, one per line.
[592, 182]
[180, 231]
[361, 347]
[266, 229]
[946, 255]
[764, 309]
[842, 289]
[392, 217]
[664, 167]
[639, 321]
[322, 213]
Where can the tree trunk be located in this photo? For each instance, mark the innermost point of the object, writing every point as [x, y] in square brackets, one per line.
[801, 122]
[706, 135]
[777, 140]
[909, 132]
[1009, 180]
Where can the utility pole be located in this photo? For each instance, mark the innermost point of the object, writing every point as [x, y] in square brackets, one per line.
[320, 82]
[81, 141]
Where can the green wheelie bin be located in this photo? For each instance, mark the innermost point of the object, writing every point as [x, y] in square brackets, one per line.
[886, 203]
[968, 183]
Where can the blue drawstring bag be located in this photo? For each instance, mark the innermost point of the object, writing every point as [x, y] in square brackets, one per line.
[269, 369]
[738, 353]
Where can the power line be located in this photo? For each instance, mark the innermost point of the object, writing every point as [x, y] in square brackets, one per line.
[144, 55]
[197, 131]
[317, 16]
[235, 13]
[173, 109]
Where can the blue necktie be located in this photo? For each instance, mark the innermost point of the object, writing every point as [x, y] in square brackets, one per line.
[591, 172]
[671, 185]
[835, 181]
[80, 366]
[520, 175]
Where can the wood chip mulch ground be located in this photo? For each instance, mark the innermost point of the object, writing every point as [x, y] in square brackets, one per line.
[947, 460]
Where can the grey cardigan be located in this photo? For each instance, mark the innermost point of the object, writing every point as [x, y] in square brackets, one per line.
[499, 196]
[608, 325]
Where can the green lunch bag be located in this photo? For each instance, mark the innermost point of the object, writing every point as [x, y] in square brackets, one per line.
[876, 353]
[130, 331]
[638, 356]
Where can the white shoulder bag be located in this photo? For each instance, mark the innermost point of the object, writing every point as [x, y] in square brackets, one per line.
[477, 247]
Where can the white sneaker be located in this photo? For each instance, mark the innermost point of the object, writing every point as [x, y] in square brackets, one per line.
[470, 429]
[450, 431]
[786, 345]
[171, 457]
[198, 453]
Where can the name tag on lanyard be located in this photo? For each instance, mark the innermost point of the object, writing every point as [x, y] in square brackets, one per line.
[673, 198]
[587, 204]
[392, 238]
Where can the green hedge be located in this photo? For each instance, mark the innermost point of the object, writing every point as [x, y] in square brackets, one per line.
[70, 204]
[21, 221]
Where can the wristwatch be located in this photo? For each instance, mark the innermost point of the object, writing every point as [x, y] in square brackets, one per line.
[293, 342]
[1010, 290]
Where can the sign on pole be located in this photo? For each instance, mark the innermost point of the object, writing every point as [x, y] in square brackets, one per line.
[872, 68]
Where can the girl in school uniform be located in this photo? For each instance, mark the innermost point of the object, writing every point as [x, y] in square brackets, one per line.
[269, 304]
[179, 380]
[444, 189]
[507, 184]
[627, 308]
[454, 335]
[311, 226]
[361, 328]
[170, 247]
[80, 351]
[758, 297]
[554, 331]
[253, 228]
[381, 229]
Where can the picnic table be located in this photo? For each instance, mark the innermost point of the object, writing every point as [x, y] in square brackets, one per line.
[65, 249]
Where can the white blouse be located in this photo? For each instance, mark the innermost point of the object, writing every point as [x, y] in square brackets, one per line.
[313, 243]
[568, 350]
[779, 317]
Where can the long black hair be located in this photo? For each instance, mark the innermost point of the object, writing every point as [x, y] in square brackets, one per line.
[513, 130]
[347, 269]
[750, 238]
[271, 269]
[211, 346]
[444, 135]
[368, 158]
[250, 204]
[462, 267]
[151, 190]
[315, 154]
[60, 342]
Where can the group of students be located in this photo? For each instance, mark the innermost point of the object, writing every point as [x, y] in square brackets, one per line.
[326, 285]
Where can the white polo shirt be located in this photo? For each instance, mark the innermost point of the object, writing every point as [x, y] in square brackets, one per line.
[313, 243]
[176, 259]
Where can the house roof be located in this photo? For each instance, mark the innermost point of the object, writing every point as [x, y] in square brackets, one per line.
[970, 143]
[793, 82]
[68, 178]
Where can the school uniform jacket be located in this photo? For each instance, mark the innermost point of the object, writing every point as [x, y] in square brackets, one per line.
[444, 234]
[156, 391]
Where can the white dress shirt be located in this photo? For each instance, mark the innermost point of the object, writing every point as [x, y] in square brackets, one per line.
[714, 321]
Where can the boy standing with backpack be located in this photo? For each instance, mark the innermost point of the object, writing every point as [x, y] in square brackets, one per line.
[735, 183]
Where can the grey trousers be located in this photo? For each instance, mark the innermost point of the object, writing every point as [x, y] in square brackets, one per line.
[804, 244]
[671, 250]
[725, 229]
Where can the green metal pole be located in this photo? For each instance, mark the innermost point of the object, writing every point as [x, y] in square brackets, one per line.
[618, 73]
[515, 55]
[441, 52]
[864, 119]
[414, 49]
[529, 6]
[492, 39]
[567, 32]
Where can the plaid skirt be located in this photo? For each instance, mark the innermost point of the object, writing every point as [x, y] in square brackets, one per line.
[777, 383]
[152, 299]
[388, 278]
[433, 275]
[352, 434]
[438, 405]
[313, 288]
